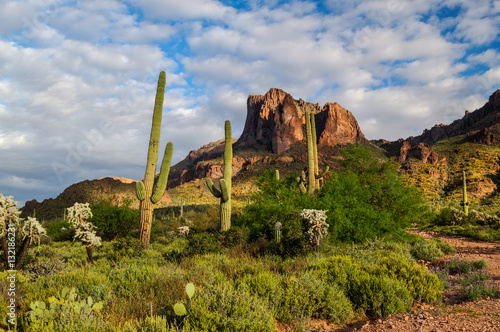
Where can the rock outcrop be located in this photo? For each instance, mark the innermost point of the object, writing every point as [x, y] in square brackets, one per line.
[468, 123]
[337, 126]
[475, 125]
[422, 152]
[275, 122]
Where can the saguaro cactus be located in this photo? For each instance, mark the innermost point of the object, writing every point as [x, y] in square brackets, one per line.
[225, 183]
[277, 231]
[313, 180]
[465, 203]
[144, 189]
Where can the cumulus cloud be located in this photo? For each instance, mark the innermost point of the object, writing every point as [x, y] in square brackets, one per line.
[78, 79]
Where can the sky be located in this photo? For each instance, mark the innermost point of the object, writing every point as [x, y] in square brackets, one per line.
[78, 78]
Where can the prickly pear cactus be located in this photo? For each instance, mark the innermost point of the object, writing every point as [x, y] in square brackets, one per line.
[182, 309]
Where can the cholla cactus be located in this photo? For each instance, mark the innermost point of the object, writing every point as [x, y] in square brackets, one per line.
[183, 230]
[484, 218]
[33, 230]
[458, 216]
[318, 228]
[84, 231]
[9, 214]
[30, 229]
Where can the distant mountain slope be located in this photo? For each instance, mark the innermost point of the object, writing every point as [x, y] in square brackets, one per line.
[115, 189]
[434, 161]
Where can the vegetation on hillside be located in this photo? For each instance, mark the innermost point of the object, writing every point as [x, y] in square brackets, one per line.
[360, 264]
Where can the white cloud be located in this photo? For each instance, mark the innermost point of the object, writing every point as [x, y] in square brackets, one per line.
[186, 9]
[69, 68]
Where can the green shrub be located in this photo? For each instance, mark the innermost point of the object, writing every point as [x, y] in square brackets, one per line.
[479, 290]
[264, 284]
[236, 235]
[44, 268]
[479, 264]
[127, 247]
[127, 280]
[87, 282]
[422, 285]
[113, 221]
[444, 246]
[221, 307]
[293, 240]
[473, 278]
[379, 295]
[149, 324]
[61, 231]
[274, 201]
[426, 250]
[203, 243]
[306, 296]
[456, 265]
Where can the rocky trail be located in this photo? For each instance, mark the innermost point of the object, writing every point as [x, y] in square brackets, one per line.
[476, 316]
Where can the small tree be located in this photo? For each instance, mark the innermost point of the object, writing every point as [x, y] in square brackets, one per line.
[318, 228]
[84, 231]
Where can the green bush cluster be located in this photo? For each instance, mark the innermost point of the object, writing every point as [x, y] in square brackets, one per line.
[431, 250]
[127, 247]
[113, 221]
[364, 201]
[390, 284]
[299, 297]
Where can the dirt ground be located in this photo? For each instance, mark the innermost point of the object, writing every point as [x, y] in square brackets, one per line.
[477, 316]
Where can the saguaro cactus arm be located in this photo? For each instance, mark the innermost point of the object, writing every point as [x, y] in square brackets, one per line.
[225, 191]
[161, 185]
[319, 176]
[140, 190]
[213, 189]
[154, 139]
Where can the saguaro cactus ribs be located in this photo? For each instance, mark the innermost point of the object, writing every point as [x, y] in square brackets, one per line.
[225, 183]
[144, 189]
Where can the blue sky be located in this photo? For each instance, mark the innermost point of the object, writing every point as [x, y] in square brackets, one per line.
[78, 78]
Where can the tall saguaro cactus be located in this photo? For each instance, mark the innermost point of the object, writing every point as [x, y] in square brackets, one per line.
[225, 183]
[144, 190]
[314, 180]
[465, 203]
[311, 178]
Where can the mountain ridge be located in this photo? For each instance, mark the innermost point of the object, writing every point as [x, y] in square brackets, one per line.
[273, 136]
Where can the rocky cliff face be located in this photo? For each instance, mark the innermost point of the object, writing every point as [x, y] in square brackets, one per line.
[480, 126]
[275, 122]
[466, 124]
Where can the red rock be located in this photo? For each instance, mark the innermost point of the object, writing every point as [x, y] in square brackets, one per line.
[275, 122]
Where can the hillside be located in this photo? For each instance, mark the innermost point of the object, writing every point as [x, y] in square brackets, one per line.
[434, 161]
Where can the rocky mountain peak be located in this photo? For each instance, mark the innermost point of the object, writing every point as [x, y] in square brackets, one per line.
[275, 122]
